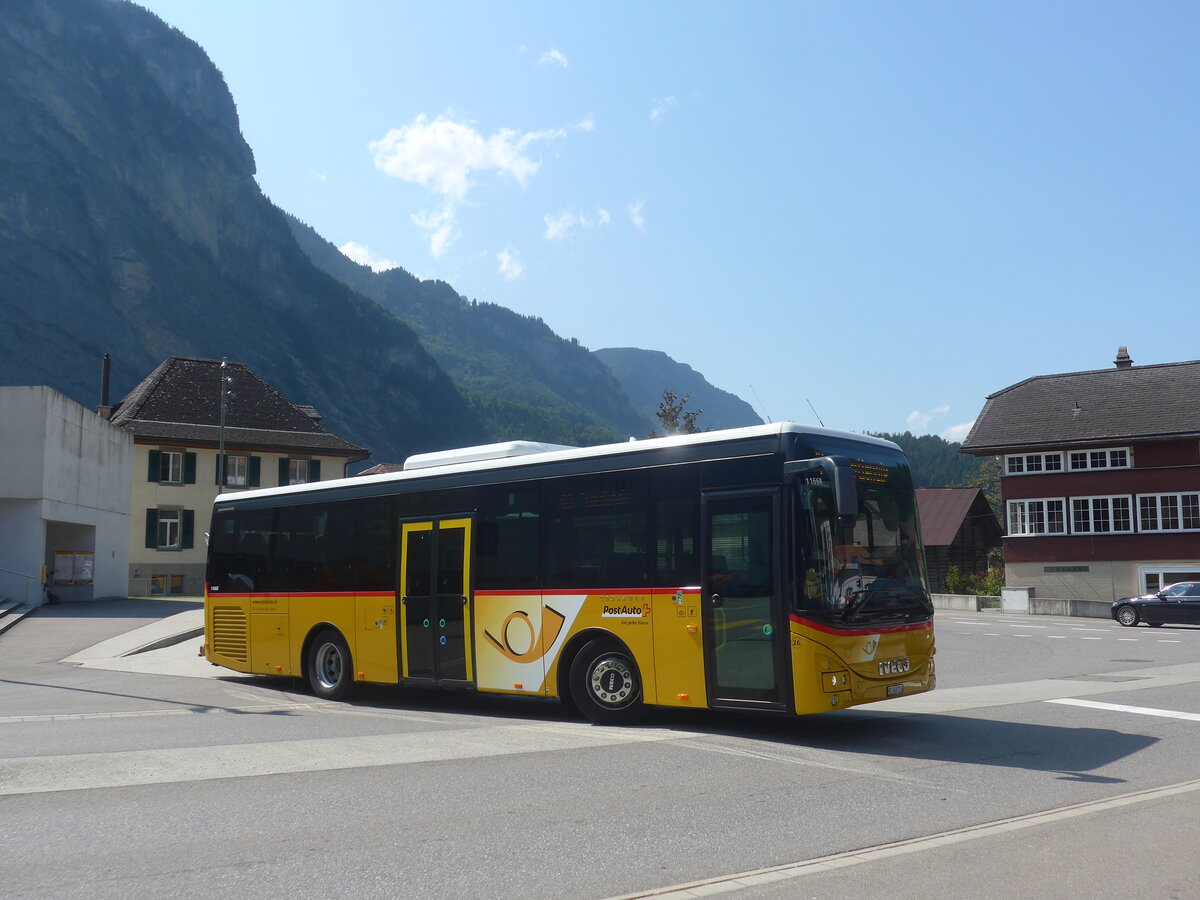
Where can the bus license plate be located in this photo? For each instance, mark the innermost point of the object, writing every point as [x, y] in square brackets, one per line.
[895, 690]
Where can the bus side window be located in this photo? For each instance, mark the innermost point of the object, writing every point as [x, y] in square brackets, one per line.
[376, 544]
[333, 549]
[675, 543]
[507, 538]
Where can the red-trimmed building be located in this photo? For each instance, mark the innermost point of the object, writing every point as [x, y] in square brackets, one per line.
[1100, 478]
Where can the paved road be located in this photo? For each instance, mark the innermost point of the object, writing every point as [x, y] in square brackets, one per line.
[1049, 740]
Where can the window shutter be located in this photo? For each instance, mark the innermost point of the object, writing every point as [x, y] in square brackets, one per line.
[155, 465]
[314, 470]
[189, 468]
[255, 470]
[283, 471]
[152, 529]
[189, 528]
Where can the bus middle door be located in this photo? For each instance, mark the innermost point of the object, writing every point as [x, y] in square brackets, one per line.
[745, 629]
[435, 592]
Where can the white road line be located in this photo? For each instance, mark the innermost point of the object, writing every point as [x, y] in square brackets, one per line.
[1057, 637]
[1136, 710]
[1128, 639]
[1091, 639]
[1014, 625]
[960, 699]
[756, 877]
[1167, 641]
[84, 771]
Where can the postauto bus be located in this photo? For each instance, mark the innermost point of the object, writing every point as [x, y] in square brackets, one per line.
[775, 568]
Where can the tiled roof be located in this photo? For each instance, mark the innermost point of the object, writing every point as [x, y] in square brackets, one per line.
[181, 401]
[943, 511]
[1132, 403]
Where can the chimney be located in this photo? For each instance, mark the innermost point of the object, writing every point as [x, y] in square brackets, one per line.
[1123, 361]
[104, 411]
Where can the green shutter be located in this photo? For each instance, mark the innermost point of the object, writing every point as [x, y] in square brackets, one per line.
[283, 471]
[314, 470]
[189, 468]
[152, 529]
[255, 473]
[189, 528]
[155, 465]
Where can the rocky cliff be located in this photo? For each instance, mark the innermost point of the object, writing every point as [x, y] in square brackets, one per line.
[131, 223]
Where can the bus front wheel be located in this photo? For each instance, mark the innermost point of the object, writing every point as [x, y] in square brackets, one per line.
[606, 685]
[330, 671]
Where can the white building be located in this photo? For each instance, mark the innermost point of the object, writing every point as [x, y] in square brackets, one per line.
[65, 487]
[178, 428]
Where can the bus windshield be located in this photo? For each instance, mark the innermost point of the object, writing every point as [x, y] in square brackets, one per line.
[869, 571]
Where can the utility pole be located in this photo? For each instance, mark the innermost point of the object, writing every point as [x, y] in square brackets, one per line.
[226, 380]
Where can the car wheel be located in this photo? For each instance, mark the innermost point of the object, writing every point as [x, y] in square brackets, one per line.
[1127, 616]
[606, 685]
[330, 671]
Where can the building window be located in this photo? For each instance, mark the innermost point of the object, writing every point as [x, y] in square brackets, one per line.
[237, 471]
[299, 471]
[1029, 517]
[1101, 515]
[172, 467]
[1112, 458]
[163, 584]
[1169, 512]
[241, 470]
[1032, 463]
[169, 528]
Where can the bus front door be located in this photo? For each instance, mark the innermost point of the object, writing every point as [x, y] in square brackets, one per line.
[745, 629]
[435, 596]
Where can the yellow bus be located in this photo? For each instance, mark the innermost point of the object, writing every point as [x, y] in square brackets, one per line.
[776, 568]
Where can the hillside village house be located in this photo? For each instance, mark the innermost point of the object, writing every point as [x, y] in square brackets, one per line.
[959, 529]
[64, 500]
[1100, 478]
[175, 417]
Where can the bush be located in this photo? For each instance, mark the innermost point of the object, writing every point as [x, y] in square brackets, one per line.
[987, 585]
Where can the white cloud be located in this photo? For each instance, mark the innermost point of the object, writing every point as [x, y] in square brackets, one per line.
[444, 155]
[918, 422]
[635, 215]
[440, 225]
[957, 433]
[587, 123]
[364, 257]
[320, 176]
[510, 266]
[553, 57]
[660, 108]
[564, 224]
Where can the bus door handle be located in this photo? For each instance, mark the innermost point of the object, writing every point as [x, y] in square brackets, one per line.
[717, 601]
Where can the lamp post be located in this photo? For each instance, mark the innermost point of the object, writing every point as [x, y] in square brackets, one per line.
[225, 382]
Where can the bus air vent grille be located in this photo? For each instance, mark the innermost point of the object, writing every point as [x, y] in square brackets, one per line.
[229, 632]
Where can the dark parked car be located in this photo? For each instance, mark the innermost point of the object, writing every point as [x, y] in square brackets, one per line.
[1176, 604]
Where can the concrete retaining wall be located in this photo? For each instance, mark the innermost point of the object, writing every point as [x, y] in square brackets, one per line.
[1038, 606]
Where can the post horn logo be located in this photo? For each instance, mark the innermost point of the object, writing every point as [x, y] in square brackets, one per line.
[552, 623]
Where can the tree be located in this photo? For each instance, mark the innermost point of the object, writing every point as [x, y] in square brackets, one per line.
[674, 417]
[987, 479]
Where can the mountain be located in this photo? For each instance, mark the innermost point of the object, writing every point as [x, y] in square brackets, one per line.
[131, 223]
[645, 374]
[524, 381]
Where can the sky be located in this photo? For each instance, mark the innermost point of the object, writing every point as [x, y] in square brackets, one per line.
[869, 214]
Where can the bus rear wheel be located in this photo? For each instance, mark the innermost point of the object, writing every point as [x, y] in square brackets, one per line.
[330, 670]
[606, 685]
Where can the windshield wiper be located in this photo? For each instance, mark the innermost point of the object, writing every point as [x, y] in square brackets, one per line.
[861, 597]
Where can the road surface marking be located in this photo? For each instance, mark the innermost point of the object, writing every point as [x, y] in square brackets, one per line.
[1136, 710]
[85, 771]
[755, 877]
